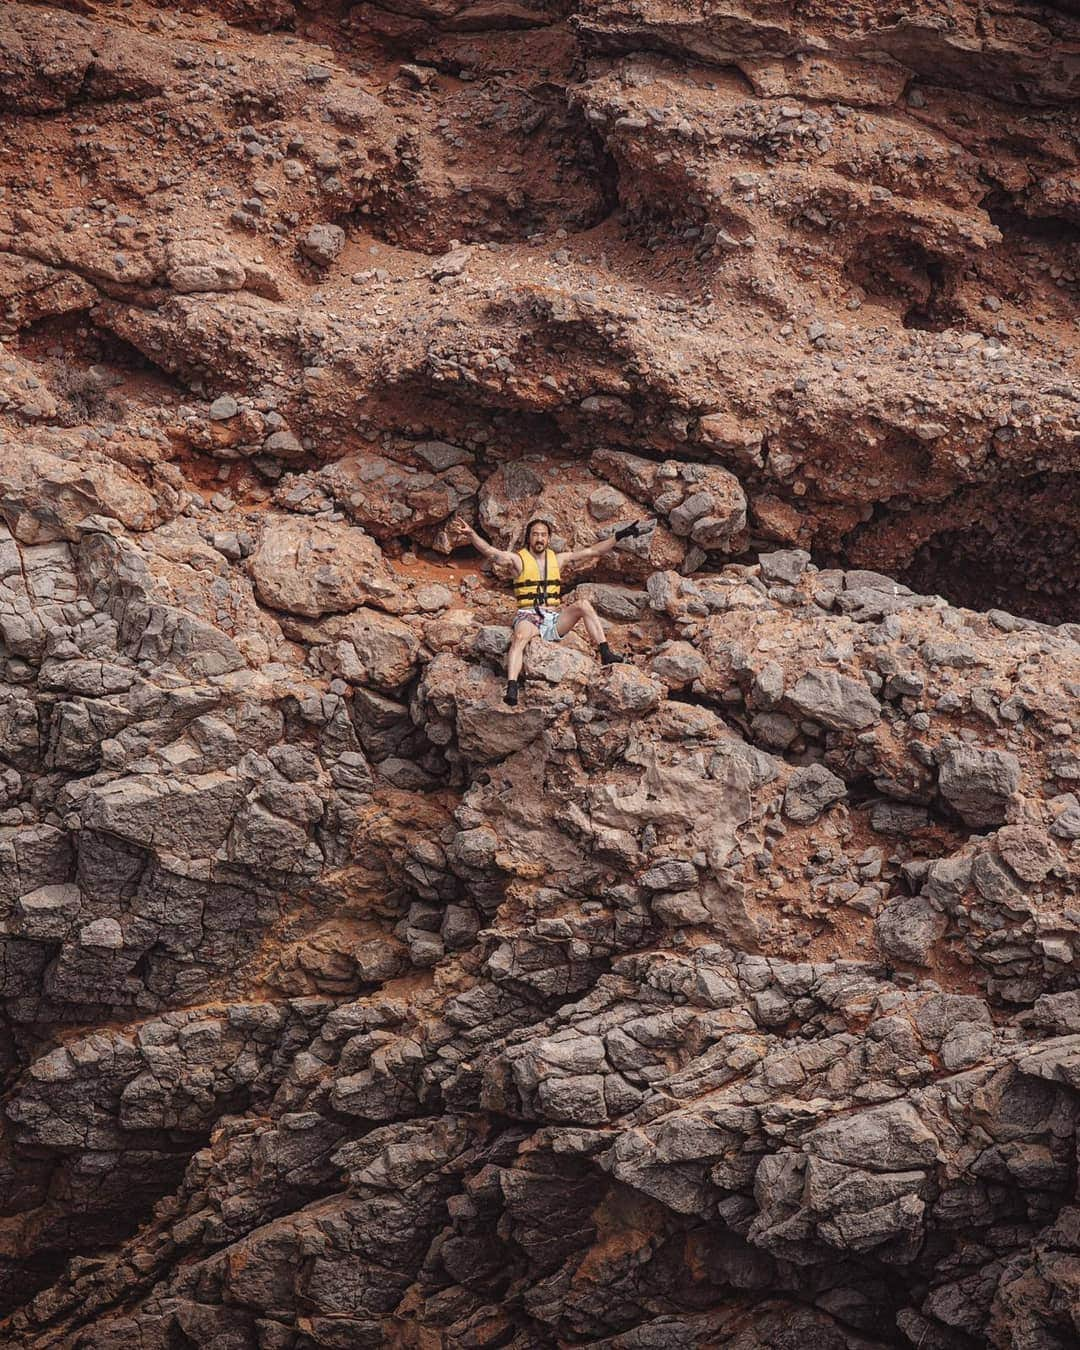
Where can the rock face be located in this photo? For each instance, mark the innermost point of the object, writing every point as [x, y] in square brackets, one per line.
[726, 996]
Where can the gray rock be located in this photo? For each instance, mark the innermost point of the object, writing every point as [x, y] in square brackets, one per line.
[899, 818]
[579, 1099]
[786, 565]
[606, 502]
[809, 791]
[103, 934]
[614, 602]
[768, 686]
[889, 1138]
[663, 591]
[680, 907]
[1067, 822]
[776, 730]
[835, 700]
[907, 928]
[440, 455]
[698, 504]
[625, 689]
[966, 1043]
[459, 927]
[432, 598]
[47, 912]
[978, 784]
[1059, 1013]
[676, 874]
[679, 664]
[947, 879]
[322, 244]
[283, 445]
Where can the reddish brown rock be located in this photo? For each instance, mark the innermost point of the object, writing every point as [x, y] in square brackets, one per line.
[724, 995]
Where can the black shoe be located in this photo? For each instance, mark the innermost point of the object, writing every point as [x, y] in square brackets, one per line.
[610, 658]
[511, 695]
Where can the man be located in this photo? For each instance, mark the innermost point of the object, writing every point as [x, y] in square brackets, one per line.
[537, 571]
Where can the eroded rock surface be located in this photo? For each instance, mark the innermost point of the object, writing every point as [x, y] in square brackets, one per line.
[726, 996]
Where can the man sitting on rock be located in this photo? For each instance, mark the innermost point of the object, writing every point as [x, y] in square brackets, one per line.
[537, 571]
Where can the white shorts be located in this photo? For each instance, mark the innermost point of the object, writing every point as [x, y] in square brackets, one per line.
[547, 621]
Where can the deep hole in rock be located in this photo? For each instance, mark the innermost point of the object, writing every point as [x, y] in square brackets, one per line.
[127, 1194]
[1027, 563]
[93, 373]
[1010, 221]
[21, 1279]
[893, 266]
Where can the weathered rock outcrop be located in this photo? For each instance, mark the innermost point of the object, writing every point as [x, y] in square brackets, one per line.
[724, 996]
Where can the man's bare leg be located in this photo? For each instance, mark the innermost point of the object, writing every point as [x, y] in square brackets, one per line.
[583, 611]
[523, 634]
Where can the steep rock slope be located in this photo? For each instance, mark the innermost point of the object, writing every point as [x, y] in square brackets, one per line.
[724, 997]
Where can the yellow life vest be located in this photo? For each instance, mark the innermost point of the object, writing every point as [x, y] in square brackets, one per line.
[530, 586]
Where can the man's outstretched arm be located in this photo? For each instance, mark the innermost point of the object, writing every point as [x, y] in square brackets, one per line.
[498, 556]
[580, 556]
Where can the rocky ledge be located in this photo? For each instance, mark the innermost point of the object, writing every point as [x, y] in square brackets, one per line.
[727, 996]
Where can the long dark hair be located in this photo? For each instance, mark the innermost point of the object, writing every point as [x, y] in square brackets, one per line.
[536, 520]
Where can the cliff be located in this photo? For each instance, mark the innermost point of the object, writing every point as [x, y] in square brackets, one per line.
[723, 997]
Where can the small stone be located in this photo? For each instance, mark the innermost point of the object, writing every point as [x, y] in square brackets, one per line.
[420, 76]
[103, 934]
[899, 818]
[786, 565]
[322, 244]
[810, 790]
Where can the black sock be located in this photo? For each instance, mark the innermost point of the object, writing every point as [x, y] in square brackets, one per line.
[511, 695]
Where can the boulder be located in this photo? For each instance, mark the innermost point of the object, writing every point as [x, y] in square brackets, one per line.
[837, 701]
[623, 689]
[678, 664]
[978, 784]
[322, 244]
[676, 874]
[489, 732]
[315, 567]
[889, 1138]
[907, 928]
[197, 265]
[44, 496]
[785, 566]
[809, 791]
[389, 499]
[371, 648]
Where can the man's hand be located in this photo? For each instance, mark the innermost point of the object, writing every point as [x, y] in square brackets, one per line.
[638, 527]
[500, 557]
[459, 531]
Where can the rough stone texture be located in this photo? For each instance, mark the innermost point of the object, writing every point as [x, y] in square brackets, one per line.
[726, 996]
[318, 567]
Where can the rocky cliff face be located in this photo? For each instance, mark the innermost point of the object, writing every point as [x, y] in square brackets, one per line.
[725, 997]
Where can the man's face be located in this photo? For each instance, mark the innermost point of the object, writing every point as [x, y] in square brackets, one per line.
[538, 538]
